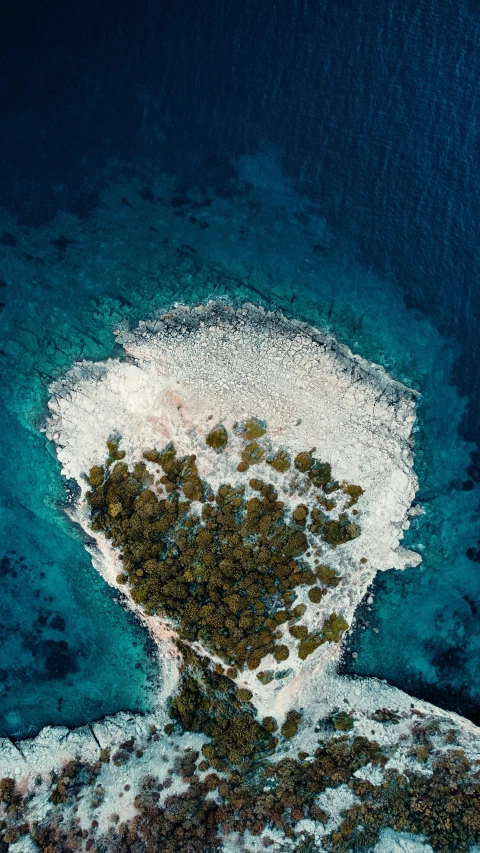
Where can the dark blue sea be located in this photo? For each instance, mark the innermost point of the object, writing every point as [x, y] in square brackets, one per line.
[318, 155]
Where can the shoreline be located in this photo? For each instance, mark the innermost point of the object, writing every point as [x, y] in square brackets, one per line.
[181, 374]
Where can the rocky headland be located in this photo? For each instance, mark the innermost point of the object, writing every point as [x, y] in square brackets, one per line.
[243, 477]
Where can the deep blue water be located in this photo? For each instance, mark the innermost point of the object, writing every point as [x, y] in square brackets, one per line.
[370, 113]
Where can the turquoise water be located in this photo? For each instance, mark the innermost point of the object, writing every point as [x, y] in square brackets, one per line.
[69, 652]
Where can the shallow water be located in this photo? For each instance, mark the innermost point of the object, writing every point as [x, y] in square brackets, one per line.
[321, 158]
[69, 652]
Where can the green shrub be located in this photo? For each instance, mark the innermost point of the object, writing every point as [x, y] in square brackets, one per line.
[254, 428]
[218, 574]
[316, 594]
[342, 721]
[291, 724]
[217, 438]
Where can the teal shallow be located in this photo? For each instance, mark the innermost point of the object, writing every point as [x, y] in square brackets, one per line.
[69, 652]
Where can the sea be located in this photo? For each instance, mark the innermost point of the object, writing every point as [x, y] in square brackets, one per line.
[317, 156]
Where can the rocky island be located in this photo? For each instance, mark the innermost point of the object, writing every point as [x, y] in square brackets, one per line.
[241, 479]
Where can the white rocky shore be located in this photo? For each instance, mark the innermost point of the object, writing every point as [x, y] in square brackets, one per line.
[182, 374]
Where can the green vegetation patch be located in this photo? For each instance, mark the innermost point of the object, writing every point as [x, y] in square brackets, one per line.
[441, 804]
[265, 677]
[328, 576]
[291, 724]
[341, 531]
[354, 492]
[280, 461]
[309, 645]
[342, 721]
[252, 454]
[316, 594]
[386, 715]
[320, 473]
[333, 628]
[217, 438]
[222, 566]
[444, 806]
[303, 461]
[331, 632]
[210, 703]
[114, 454]
[254, 428]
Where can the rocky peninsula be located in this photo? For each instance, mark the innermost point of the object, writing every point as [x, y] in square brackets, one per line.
[242, 478]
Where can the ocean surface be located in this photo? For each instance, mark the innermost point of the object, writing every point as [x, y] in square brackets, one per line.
[322, 157]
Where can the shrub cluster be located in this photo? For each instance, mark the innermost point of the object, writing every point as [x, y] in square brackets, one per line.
[443, 805]
[223, 566]
[209, 702]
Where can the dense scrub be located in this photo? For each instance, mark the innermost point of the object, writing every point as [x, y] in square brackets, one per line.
[225, 567]
[444, 806]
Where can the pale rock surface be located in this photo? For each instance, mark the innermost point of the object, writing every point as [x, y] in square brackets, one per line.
[194, 368]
